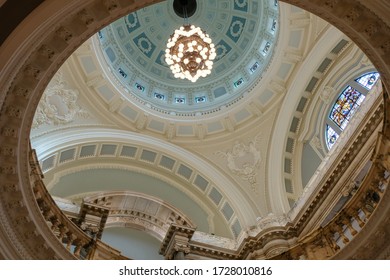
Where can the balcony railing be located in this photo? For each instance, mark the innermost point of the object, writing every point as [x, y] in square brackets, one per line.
[80, 244]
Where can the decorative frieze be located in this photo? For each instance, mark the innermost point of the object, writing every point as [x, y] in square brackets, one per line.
[64, 33]
[21, 91]
[7, 151]
[9, 187]
[8, 169]
[47, 52]
[32, 71]
[14, 111]
[111, 5]
[86, 17]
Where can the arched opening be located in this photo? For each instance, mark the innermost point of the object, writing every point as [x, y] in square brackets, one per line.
[29, 62]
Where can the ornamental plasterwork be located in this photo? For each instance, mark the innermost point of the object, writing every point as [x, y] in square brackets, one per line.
[214, 240]
[365, 62]
[244, 161]
[315, 142]
[327, 94]
[59, 104]
[148, 225]
[271, 220]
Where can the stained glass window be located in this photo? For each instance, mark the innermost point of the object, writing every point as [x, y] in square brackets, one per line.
[368, 80]
[345, 106]
[331, 136]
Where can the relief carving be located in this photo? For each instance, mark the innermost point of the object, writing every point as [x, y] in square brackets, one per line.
[316, 143]
[58, 104]
[9, 132]
[327, 94]
[86, 17]
[270, 220]
[7, 151]
[64, 33]
[244, 161]
[222, 242]
[20, 91]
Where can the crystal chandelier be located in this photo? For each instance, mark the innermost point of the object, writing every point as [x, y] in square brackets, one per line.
[190, 53]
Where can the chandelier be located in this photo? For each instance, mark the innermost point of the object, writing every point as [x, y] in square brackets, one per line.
[190, 53]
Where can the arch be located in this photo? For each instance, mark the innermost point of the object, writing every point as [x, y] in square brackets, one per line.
[38, 46]
[347, 103]
[154, 218]
[59, 141]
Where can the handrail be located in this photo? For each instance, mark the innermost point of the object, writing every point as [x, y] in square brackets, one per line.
[75, 240]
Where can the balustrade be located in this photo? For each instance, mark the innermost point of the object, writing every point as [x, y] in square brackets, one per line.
[74, 239]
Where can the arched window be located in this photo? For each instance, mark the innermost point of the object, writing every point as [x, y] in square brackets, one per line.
[368, 80]
[331, 136]
[346, 105]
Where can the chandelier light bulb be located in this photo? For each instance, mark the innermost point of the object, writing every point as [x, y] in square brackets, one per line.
[190, 53]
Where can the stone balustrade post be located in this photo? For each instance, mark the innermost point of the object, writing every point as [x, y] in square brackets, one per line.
[354, 214]
[63, 231]
[77, 250]
[70, 238]
[346, 220]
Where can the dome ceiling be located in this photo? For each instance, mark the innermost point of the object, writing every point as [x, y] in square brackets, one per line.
[133, 48]
[214, 146]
